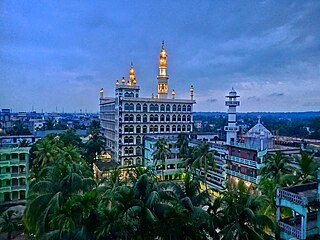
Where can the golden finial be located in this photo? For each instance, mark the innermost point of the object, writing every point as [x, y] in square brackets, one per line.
[123, 81]
[101, 92]
[134, 81]
[131, 73]
[173, 94]
[117, 83]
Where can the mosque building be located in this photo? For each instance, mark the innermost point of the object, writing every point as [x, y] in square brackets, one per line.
[126, 118]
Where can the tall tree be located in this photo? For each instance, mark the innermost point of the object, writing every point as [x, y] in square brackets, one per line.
[183, 144]
[307, 169]
[161, 153]
[45, 152]
[7, 224]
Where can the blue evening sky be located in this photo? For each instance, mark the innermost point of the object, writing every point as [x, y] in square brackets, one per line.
[60, 53]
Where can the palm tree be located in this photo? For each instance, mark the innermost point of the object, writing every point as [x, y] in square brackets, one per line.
[203, 157]
[242, 221]
[45, 152]
[183, 144]
[94, 147]
[277, 167]
[307, 169]
[7, 224]
[161, 153]
[49, 124]
[70, 153]
[24, 143]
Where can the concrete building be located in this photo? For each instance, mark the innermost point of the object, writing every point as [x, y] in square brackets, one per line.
[14, 166]
[304, 201]
[127, 118]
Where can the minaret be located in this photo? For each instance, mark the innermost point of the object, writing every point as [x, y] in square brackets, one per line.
[163, 77]
[232, 128]
[131, 75]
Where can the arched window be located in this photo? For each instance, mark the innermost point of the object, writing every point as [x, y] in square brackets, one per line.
[189, 108]
[168, 118]
[174, 128]
[174, 107]
[155, 129]
[151, 128]
[179, 118]
[179, 128]
[126, 128]
[126, 162]
[151, 118]
[126, 107]
[184, 108]
[174, 118]
[131, 129]
[138, 118]
[126, 94]
[184, 118]
[144, 129]
[162, 107]
[168, 108]
[168, 128]
[131, 107]
[156, 118]
[183, 128]
[131, 95]
[145, 118]
[130, 150]
[179, 108]
[145, 107]
[188, 128]
[151, 108]
[126, 151]
[162, 118]
[131, 139]
[138, 161]
[126, 117]
[131, 118]
[161, 128]
[126, 140]
[189, 118]
[138, 140]
[138, 150]
[138, 107]
[138, 129]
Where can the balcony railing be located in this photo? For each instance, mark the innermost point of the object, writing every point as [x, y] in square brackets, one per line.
[4, 163]
[244, 161]
[242, 176]
[292, 197]
[290, 230]
[228, 128]
[5, 189]
[232, 103]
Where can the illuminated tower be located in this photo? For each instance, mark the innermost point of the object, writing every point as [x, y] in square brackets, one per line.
[232, 128]
[132, 80]
[163, 77]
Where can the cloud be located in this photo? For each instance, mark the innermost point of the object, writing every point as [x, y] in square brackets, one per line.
[253, 98]
[212, 100]
[275, 94]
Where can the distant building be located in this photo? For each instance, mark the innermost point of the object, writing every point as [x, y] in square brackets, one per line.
[14, 166]
[127, 118]
[5, 120]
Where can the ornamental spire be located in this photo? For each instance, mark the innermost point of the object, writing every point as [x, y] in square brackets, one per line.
[131, 75]
[163, 77]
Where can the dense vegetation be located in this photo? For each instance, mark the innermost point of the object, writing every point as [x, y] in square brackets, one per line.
[66, 202]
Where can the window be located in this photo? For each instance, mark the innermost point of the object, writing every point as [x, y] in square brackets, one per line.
[183, 128]
[174, 128]
[188, 128]
[156, 107]
[162, 107]
[126, 151]
[162, 118]
[130, 150]
[156, 118]
[189, 118]
[174, 108]
[138, 107]
[168, 118]
[151, 108]
[151, 128]
[174, 118]
[131, 118]
[179, 118]
[126, 128]
[184, 118]
[138, 140]
[138, 150]
[179, 128]
[138, 129]
[144, 129]
[138, 161]
[131, 107]
[189, 108]
[161, 128]
[126, 94]
[131, 129]
[126, 107]
[131, 139]
[184, 108]
[126, 140]
[168, 128]
[155, 129]
[126, 117]
[145, 107]
[145, 118]
[179, 108]
[138, 118]
[151, 118]
[168, 108]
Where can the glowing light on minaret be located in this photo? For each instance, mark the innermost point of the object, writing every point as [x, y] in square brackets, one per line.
[131, 75]
[232, 127]
[163, 77]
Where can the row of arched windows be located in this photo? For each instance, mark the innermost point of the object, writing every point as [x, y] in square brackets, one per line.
[155, 107]
[128, 140]
[130, 150]
[155, 118]
[156, 128]
[130, 161]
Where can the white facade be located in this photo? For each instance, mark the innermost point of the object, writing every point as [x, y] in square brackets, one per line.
[232, 127]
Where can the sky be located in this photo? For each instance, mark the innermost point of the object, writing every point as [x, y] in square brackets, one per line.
[58, 54]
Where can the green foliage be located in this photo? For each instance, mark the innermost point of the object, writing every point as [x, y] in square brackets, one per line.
[18, 129]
